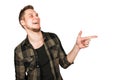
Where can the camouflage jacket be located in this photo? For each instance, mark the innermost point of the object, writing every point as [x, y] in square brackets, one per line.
[25, 58]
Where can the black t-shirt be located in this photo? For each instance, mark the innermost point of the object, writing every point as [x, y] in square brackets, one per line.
[44, 64]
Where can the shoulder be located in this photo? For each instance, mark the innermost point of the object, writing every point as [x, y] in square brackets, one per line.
[18, 47]
[50, 35]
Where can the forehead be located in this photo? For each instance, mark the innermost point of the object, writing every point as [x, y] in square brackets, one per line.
[29, 11]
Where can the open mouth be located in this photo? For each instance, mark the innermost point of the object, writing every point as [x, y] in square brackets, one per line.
[35, 23]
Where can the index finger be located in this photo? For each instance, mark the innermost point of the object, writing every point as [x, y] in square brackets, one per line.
[91, 37]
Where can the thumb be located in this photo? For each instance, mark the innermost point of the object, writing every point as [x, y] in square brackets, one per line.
[80, 33]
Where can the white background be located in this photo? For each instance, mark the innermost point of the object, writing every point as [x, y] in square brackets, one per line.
[100, 61]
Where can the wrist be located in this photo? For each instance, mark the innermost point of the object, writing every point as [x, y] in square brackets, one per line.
[77, 47]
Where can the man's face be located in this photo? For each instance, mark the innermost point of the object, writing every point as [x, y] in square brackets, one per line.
[31, 20]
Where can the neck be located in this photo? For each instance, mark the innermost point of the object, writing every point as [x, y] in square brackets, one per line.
[36, 39]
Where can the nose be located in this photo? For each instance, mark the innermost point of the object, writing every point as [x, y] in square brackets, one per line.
[37, 18]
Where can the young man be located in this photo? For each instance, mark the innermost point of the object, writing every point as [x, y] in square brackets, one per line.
[38, 57]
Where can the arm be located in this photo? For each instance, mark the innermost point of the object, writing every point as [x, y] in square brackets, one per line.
[62, 56]
[19, 65]
[81, 42]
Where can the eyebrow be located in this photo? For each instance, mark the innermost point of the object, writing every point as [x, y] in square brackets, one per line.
[32, 13]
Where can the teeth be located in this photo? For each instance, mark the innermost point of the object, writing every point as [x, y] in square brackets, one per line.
[35, 23]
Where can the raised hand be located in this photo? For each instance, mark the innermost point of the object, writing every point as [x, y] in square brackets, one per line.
[83, 42]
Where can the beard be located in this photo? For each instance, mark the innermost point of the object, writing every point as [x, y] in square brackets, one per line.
[35, 30]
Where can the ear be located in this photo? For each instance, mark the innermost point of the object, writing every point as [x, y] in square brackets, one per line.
[22, 22]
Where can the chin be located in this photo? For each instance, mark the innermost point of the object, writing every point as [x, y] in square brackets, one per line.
[36, 30]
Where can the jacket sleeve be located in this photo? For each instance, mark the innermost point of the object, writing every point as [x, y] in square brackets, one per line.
[19, 64]
[62, 55]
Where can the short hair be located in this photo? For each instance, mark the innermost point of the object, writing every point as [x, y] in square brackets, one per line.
[21, 14]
